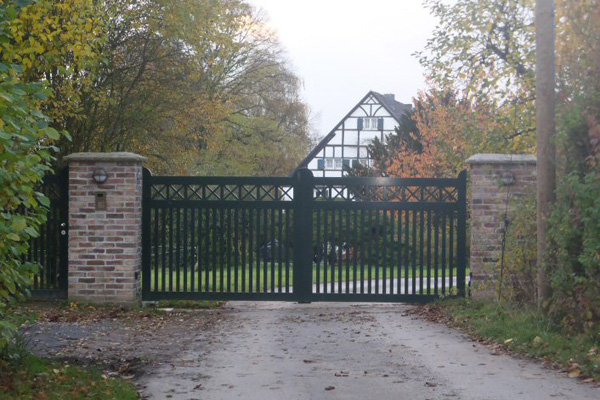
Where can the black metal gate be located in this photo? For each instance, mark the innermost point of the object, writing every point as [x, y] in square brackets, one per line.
[50, 249]
[303, 239]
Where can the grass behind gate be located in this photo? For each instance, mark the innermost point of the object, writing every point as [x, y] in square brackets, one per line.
[269, 276]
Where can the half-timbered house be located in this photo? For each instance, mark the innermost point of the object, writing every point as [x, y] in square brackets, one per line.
[376, 115]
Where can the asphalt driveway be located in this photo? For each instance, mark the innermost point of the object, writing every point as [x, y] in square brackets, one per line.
[293, 351]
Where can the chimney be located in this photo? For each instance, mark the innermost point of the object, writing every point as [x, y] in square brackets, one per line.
[390, 97]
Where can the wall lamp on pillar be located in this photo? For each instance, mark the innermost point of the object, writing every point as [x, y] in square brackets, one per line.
[100, 175]
[508, 179]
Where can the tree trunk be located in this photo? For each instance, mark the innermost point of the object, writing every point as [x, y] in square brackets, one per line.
[546, 127]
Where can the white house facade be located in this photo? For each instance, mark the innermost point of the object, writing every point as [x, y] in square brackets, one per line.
[376, 115]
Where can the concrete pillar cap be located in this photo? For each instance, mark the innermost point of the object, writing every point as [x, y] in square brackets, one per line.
[106, 157]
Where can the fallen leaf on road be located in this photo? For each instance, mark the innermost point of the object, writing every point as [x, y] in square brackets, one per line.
[575, 373]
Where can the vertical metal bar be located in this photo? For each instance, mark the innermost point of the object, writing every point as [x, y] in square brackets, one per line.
[42, 258]
[200, 255]
[334, 261]
[355, 241]
[50, 250]
[377, 250]
[207, 253]
[280, 248]
[243, 211]
[257, 249]
[222, 242]
[287, 250]
[451, 249]
[370, 259]
[265, 262]
[214, 233]
[429, 245]
[303, 231]
[461, 251]
[406, 250]
[185, 249]
[64, 239]
[363, 253]
[273, 250]
[156, 251]
[52, 234]
[384, 252]
[421, 248]
[347, 250]
[193, 249]
[163, 236]
[393, 247]
[325, 247]
[444, 227]
[236, 249]
[400, 253]
[436, 238]
[170, 246]
[250, 250]
[319, 251]
[177, 248]
[31, 252]
[414, 252]
[340, 265]
[228, 249]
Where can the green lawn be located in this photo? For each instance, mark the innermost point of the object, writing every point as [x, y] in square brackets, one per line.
[524, 329]
[270, 276]
[35, 378]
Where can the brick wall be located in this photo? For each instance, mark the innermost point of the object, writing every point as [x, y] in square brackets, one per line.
[488, 208]
[105, 245]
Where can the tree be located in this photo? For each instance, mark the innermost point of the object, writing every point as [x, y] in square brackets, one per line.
[177, 82]
[25, 154]
[483, 50]
[57, 42]
[441, 131]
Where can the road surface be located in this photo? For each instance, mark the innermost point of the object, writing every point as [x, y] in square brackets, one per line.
[288, 351]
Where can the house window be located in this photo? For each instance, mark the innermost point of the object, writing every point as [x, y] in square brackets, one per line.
[370, 124]
[338, 163]
[329, 163]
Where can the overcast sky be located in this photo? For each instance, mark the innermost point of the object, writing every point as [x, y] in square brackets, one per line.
[341, 49]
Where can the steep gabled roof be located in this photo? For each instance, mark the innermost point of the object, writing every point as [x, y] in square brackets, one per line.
[395, 108]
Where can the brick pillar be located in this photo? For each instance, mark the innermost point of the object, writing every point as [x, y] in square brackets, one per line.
[105, 252]
[490, 185]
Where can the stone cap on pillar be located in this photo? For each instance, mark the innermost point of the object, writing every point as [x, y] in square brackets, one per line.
[106, 157]
[502, 159]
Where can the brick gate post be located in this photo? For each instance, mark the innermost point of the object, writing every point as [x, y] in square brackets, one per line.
[493, 177]
[105, 227]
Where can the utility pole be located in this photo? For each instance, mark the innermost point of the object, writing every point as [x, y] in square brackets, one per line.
[546, 128]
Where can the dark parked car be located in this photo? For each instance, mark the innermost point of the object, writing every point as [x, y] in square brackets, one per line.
[270, 251]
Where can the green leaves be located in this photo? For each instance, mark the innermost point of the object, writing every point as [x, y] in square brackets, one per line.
[25, 137]
[484, 51]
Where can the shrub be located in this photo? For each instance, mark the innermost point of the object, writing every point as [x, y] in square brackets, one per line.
[574, 256]
[25, 155]
[519, 275]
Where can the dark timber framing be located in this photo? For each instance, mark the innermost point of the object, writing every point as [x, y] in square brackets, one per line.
[350, 136]
[303, 238]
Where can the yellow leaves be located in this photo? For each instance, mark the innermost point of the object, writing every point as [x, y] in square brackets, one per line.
[14, 237]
